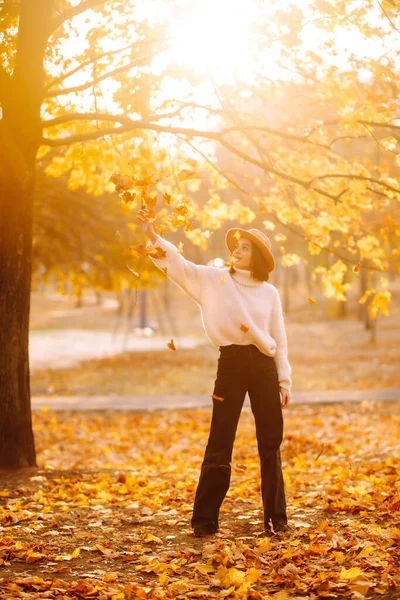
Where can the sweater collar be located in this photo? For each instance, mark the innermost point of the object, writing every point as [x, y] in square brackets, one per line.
[244, 277]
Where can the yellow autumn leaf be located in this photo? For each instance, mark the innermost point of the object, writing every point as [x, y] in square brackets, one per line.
[153, 538]
[366, 551]
[351, 573]
[252, 575]
[163, 578]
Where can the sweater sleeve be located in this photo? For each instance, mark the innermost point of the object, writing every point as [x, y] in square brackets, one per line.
[187, 275]
[279, 334]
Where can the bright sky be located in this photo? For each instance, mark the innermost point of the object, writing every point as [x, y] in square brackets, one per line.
[216, 40]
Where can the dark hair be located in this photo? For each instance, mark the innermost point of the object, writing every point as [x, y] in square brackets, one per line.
[259, 269]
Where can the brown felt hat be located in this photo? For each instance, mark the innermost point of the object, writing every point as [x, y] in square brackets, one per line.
[257, 237]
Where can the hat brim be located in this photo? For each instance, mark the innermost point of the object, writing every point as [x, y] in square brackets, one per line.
[231, 242]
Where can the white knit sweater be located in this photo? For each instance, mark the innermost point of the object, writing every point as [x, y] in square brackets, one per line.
[228, 302]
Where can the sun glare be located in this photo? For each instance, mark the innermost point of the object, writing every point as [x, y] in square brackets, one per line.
[214, 37]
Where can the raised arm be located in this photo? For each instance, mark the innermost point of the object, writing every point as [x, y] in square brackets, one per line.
[186, 274]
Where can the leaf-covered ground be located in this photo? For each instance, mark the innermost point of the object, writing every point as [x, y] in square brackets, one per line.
[107, 514]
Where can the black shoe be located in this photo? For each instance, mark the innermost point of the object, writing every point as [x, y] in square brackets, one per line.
[267, 531]
[281, 527]
[202, 530]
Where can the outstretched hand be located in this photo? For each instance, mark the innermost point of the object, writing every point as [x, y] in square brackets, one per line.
[147, 226]
[285, 397]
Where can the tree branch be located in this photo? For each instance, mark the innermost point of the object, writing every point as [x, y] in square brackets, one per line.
[85, 86]
[358, 178]
[86, 63]
[287, 226]
[69, 13]
[211, 135]
[388, 18]
[105, 117]
[387, 125]
[131, 125]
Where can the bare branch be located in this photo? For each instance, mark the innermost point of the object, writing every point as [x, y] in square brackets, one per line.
[73, 11]
[358, 178]
[105, 117]
[385, 125]
[388, 17]
[86, 63]
[78, 88]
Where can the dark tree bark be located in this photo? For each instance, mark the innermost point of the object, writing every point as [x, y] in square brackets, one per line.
[20, 133]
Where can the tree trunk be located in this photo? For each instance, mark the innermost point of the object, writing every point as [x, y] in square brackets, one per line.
[16, 437]
[20, 133]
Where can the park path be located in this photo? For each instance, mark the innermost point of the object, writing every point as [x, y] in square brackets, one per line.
[67, 347]
[174, 402]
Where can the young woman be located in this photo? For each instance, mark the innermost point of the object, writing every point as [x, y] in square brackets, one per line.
[241, 314]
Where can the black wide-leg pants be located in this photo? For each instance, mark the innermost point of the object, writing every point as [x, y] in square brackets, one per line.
[242, 369]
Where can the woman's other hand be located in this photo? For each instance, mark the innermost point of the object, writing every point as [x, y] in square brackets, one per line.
[285, 397]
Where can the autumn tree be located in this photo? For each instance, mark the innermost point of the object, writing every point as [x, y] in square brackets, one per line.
[82, 78]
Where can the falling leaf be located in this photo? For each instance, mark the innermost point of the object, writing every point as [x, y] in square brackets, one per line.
[357, 267]
[128, 197]
[144, 181]
[121, 182]
[240, 468]
[244, 328]
[222, 280]
[171, 345]
[180, 247]
[311, 301]
[186, 174]
[181, 209]
[167, 198]
[132, 271]
[150, 201]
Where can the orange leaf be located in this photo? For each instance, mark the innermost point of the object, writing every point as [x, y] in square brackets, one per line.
[244, 328]
[311, 301]
[121, 182]
[171, 345]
